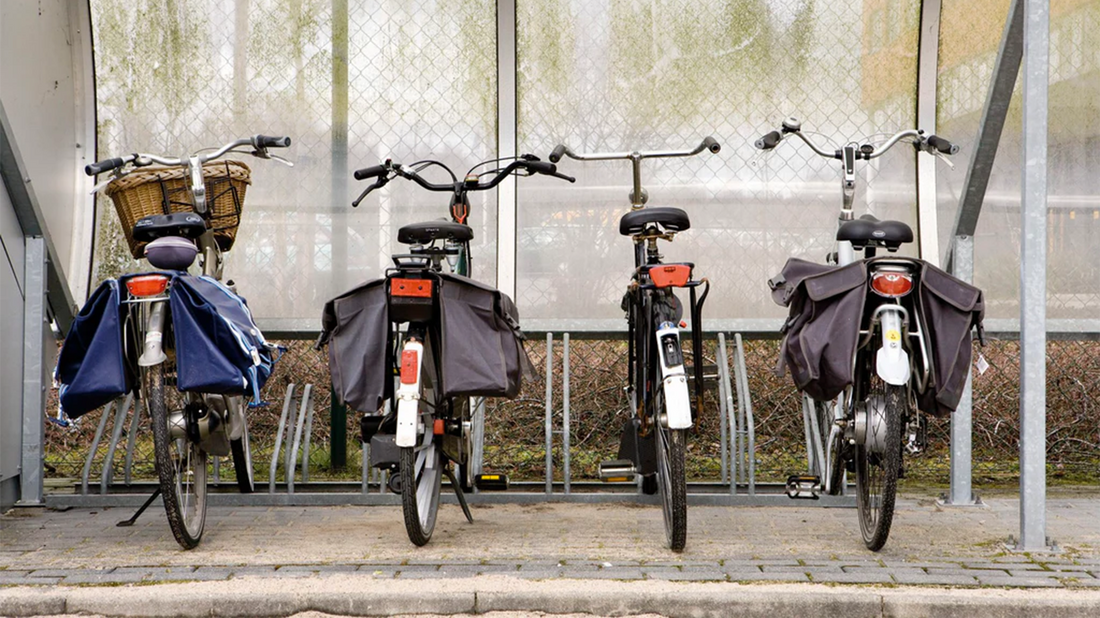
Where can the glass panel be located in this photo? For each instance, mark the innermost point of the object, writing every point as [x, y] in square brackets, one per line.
[970, 39]
[180, 75]
[616, 75]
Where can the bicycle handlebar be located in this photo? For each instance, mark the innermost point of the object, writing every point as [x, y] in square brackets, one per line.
[260, 144]
[708, 143]
[470, 183]
[791, 126]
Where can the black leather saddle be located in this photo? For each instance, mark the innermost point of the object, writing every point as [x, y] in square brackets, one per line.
[868, 230]
[672, 219]
[428, 231]
[185, 224]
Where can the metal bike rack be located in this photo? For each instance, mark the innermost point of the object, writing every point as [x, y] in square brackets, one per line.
[121, 407]
[289, 438]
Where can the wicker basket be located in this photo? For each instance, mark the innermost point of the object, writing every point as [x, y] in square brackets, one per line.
[159, 190]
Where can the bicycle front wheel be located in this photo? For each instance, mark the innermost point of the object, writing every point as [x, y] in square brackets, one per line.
[878, 460]
[180, 463]
[671, 481]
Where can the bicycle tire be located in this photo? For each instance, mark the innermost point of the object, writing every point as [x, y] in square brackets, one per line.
[242, 461]
[420, 483]
[875, 496]
[180, 463]
[671, 481]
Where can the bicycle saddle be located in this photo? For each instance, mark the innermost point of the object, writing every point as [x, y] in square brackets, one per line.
[635, 221]
[186, 224]
[427, 231]
[869, 230]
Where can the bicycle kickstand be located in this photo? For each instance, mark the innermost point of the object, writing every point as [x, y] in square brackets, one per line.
[458, 492]
[129, 522]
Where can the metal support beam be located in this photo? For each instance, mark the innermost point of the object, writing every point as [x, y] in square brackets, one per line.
[1033, 278]
[962, 422]
[989, 131]
[31, 220]
[34, 371]
[506, 145]
[549, 413]
[927, 69]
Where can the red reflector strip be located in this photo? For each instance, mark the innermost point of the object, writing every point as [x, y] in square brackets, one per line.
[417, 288]
[147, 285]
[670, 275]
[891, 284]
[409, 366]
[437, 427]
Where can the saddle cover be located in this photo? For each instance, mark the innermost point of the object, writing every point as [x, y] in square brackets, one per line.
[826, 311]
[218, 347]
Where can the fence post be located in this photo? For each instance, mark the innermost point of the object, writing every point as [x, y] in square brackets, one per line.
[962, 419]
[565, 411]
[549, 413]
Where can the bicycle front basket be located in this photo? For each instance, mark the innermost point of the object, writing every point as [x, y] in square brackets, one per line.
[159, 190]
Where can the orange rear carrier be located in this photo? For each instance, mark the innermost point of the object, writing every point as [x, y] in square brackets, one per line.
[670, 275]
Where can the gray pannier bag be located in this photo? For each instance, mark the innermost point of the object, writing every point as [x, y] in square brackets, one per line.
[826, 311]
[822, 328]
[480, 343]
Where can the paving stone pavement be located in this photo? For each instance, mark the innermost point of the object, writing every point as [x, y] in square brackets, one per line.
[930, 545]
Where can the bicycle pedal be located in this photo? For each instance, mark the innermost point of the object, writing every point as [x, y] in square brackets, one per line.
[491, 482]
[803, 487]
[617, 471]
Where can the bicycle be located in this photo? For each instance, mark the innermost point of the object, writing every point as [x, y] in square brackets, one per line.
[462, 340]
[196, 405]
[859, 334]
[654, 441]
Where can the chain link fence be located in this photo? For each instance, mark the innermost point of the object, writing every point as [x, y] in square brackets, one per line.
[515, 438]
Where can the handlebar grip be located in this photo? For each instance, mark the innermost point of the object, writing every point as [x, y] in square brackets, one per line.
[373, 171]
[557, 153]
[942, 145]
[104, 166]
[769, 141]
[712, 144]
[265, 141]
[541, 167]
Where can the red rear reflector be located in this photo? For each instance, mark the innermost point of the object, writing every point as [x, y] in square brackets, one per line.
[417, 288]
[671, 275]
[891, 284]
[437, 427]
[147, 285]
[409, 366]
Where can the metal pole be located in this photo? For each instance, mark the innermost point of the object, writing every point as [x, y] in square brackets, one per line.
[750, 428]
[1033, 281]
[549, 413]
[288, 401]
[962, 421]
[34, 371]
[87, 472]
[338, 413]
[722, 411]
[723, 362]
[927, 69]
[506, 145]
[565, 411]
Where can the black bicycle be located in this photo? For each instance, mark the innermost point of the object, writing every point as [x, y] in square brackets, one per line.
[654, 441]
[460, 339]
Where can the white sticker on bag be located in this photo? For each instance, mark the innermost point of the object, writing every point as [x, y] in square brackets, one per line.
[982, 365]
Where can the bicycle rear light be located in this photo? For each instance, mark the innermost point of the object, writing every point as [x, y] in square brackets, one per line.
[891, 284]
[670, 275]
[410, 362]
[416, 288]
[147, 285]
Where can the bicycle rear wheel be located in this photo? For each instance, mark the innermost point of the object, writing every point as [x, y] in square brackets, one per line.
[180, 463]
[242, 460]
[421, 466]
[878, 460]
[671, 481]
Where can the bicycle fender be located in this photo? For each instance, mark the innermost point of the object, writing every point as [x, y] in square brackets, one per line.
[892, 361]
[153, 348]
[674, 379]
[408, 394]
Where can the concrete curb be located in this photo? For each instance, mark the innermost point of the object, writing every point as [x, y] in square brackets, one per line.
[347, 595]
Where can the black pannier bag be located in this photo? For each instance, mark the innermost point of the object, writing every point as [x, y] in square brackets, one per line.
[822, 327]
[951, 308]
[481, 344]
[826, 309]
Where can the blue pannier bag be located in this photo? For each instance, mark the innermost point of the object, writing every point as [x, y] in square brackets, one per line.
[219, 348]
[96, 335]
